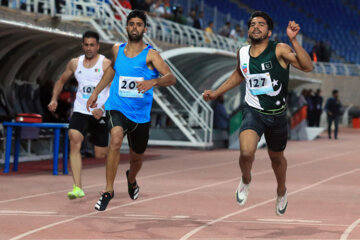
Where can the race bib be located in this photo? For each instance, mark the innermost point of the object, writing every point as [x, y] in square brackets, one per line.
[86, 90]
[127, 87]
[260, 84]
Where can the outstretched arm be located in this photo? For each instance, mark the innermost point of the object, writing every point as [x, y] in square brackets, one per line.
[300, 58]
[69, 71]
[234, 80]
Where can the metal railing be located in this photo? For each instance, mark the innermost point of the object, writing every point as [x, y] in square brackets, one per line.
[101, 15]
[337, 69]
[110, 20]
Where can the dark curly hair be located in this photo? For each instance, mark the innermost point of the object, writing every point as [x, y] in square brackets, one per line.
[136, 13]
[265, 16]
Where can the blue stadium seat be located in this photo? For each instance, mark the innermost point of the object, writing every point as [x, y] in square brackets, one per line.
[333, 22]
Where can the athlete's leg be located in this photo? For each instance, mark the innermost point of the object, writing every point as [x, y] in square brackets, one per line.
[100, 152]
[279, 165]
[136, 160]
[138, 138]
[113, 157]
[248, 144]
[76, 139]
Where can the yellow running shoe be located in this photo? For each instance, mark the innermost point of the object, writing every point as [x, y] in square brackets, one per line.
[76, 193]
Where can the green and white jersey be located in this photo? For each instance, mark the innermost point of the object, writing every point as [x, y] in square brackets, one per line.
[266, 80]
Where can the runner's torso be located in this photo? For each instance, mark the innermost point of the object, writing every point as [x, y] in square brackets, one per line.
[124, 96]
[266, 80]
[87, 79]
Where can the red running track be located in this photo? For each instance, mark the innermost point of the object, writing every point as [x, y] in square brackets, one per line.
[190, 194]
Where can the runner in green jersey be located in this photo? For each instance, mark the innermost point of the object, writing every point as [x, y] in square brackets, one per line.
[264, 65]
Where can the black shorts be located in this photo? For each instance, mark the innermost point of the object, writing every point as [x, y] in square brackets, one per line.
[137, 133]
[273, 126]
[85, 123]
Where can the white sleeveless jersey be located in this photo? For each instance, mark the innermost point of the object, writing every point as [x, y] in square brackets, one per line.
[87, 79]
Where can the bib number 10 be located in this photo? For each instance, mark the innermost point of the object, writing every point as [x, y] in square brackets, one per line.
[88, 89]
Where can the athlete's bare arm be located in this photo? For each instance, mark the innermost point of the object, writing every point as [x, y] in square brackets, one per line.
[98, 112]
[300, 59]
[106, 64]
[69, 71]
[234, 80]
[106, 79]
[154, 60]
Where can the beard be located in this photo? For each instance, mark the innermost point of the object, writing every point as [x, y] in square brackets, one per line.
[89, 55]
[135, 38]
[258, 39]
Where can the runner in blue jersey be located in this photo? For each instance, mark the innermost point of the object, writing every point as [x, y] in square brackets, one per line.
[136, 69]
[264, 65]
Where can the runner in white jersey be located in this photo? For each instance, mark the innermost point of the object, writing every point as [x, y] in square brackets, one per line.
[87, 79]
[88, 70]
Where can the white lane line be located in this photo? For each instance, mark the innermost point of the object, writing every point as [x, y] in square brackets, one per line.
[120, 206]
[180, 217]
[347, 232]
[185, 218]
[121, 181]
[25, 212]
[142, 215]
[281, 220]
[284, 223]
[167, 195]
[198, 229]
[164, 174]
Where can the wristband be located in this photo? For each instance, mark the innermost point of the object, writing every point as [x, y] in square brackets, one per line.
[103, 110]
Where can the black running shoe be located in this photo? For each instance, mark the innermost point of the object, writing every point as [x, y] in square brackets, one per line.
[133, 188]
[104, 201]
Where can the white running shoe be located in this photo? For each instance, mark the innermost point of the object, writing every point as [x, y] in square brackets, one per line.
[281, 204]
[242, 193]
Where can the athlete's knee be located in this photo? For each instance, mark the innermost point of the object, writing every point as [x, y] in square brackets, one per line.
[75, 142]
[115, 144]
[277, 157]
[75, 138]
[116, 137]
[247, 155]
[101, 154]
[136, 161]
[136, 158]
[115, 141]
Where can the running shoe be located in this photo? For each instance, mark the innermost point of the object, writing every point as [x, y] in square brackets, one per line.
[133, 188]
[281, 204]
[76, 193]
[104, 201]
[242, 193]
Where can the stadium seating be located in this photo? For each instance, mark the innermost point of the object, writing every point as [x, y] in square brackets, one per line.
[334, 22]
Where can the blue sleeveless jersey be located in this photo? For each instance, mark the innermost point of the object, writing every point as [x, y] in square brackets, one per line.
[123, 95]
